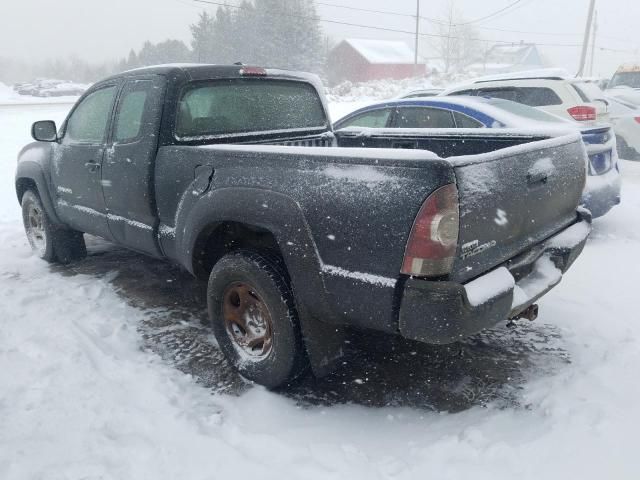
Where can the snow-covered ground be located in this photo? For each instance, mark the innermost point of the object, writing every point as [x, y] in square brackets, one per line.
[85, 393]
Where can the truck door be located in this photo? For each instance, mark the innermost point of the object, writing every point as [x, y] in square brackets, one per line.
[127, 172]
[77, 162]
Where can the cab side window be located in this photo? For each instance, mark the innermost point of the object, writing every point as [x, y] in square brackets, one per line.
[374, 119]
[131, 109]
[88, 122]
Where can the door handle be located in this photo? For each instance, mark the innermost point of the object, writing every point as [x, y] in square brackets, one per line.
[537, 178]
[92, 166]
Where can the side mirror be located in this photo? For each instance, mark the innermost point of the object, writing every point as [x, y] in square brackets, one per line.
[44, 131]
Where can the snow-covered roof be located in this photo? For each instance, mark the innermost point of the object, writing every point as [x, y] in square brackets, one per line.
[382, 51]
[526, 75]
[514, 53]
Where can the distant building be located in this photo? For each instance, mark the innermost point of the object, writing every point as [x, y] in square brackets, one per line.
[361, 60]
[507, 58]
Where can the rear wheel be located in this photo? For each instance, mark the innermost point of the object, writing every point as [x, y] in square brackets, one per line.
[254, 319]
[49, 242]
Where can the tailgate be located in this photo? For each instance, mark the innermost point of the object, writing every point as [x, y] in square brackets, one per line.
[515, 198]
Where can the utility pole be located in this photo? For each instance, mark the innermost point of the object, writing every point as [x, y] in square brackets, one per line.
[593, 43]
[415, 59]
[585, 42]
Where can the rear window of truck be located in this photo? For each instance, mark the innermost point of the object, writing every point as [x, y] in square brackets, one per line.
[242, 106]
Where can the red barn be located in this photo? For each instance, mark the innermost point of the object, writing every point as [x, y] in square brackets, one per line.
[360, 60]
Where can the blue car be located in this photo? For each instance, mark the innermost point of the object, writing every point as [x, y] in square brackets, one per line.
[432, 123]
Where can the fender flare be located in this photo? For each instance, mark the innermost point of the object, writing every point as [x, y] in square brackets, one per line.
[32, 172]
[323, 334]
[267, 210]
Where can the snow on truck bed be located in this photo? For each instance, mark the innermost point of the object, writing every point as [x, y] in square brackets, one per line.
[79, 398]
[330, 152]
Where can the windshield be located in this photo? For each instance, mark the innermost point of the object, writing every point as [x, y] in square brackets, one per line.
[524, 111]
[626, 79]
[241, 106]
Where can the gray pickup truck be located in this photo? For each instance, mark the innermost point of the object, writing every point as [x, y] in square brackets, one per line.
[234, 173]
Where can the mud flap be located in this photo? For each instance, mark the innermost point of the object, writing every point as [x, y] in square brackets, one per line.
[324, 343]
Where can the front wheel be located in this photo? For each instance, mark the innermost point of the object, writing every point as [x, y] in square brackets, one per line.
[49, 242]
[254, 319]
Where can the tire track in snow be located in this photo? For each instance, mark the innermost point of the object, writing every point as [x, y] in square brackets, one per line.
[489, 368]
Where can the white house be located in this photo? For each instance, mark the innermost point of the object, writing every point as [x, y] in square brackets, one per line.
[506, 58]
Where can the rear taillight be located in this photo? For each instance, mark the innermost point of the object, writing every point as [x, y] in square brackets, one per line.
[583, 113]
[253, 72]
[637, 119]
[433, 240]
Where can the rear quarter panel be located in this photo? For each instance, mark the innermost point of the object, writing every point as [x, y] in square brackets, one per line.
[350, 210]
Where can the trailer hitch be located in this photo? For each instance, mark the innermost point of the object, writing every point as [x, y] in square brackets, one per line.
[530, 313]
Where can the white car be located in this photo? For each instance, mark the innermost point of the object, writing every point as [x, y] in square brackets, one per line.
[625, 118]
[425, 92]
[625, 84]
[550, 90]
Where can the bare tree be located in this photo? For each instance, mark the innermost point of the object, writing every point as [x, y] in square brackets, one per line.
[458, 44]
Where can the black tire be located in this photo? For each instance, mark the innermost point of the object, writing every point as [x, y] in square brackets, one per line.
[50, 242]
[278, 361]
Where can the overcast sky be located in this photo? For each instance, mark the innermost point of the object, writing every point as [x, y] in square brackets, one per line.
[107, 29]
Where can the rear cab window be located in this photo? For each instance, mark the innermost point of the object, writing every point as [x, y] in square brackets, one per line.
[241, 107]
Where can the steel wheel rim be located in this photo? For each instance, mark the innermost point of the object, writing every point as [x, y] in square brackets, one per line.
[247, 321]
[36, 232]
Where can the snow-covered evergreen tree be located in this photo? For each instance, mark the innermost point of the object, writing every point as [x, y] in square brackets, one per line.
[280, 33]
[202, 38]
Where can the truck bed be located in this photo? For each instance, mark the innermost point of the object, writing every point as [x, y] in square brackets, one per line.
[359, 205]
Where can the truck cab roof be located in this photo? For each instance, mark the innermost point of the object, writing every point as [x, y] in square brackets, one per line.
[200, 71]
[182, 79]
